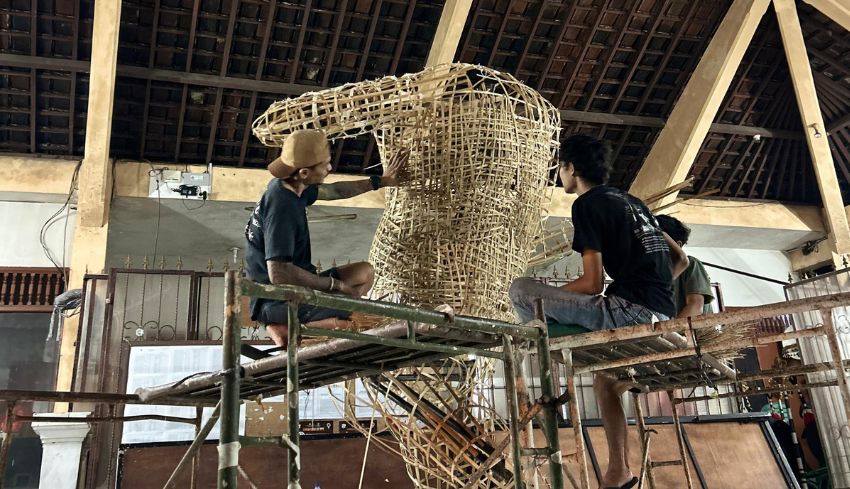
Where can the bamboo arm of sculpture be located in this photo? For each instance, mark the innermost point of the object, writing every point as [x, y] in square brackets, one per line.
[353, 109]
[394, 173]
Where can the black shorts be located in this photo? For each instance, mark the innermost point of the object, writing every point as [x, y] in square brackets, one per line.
[277, 312]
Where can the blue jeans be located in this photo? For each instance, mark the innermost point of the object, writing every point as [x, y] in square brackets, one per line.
[594, 312]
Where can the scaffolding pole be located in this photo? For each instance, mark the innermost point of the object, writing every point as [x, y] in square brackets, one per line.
[680, 439]
[192, 452]
[294, 452]
[550, 407]
[228, 444]
[575, 420]
[7, 442]
[513, 409]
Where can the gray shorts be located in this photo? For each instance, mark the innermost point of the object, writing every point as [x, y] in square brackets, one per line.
[594, 312]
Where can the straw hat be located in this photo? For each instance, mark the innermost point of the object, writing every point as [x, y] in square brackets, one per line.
[301, 149]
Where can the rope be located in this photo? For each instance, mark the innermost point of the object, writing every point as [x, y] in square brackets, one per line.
[698, 354]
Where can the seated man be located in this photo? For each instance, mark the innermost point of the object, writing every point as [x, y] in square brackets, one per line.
[278, 238]
[615, 233]
[692, 289]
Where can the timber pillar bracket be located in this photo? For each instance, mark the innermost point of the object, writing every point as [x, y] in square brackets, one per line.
[835, 216]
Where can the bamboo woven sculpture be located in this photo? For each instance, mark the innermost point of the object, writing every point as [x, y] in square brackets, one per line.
[459, 229]
[463, 224]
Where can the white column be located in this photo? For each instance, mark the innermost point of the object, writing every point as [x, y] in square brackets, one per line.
[63, 443]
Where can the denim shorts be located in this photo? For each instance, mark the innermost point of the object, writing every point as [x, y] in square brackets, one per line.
[277, 312]
[594, 312]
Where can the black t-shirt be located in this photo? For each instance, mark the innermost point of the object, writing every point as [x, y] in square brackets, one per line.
[633, 249]
[277, 230]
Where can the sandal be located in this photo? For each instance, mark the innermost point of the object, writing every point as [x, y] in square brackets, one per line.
[628, 485]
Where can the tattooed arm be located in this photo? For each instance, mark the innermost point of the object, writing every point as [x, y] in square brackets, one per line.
[393, 174]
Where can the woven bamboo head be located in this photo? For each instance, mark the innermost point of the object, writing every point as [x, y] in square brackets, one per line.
[463, 224]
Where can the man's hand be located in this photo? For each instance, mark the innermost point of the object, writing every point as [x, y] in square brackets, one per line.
[346, 289]
[394, 171]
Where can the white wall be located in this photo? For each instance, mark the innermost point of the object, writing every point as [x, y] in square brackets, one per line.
[21, 223]
[738, 290]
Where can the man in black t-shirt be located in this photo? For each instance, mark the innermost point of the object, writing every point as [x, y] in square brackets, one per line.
[615, 233]
[278, 238]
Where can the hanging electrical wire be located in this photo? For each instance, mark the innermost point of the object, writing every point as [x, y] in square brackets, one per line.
[53, 219]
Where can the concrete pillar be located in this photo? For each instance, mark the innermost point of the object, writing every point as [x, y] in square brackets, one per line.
[63, 443]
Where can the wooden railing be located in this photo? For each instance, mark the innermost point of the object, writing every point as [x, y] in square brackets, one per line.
[29, 289]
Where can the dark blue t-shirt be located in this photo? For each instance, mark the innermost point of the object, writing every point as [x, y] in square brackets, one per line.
[634, 252]
[277, 230]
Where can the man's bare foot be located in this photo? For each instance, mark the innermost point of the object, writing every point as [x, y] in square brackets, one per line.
[279, 333]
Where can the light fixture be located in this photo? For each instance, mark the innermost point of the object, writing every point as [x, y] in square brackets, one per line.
[814, 127]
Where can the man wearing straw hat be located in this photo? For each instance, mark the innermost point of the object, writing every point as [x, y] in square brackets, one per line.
[617, 234]
[278, 237]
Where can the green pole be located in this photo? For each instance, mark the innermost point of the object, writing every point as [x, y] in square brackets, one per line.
[304, 295]
[292, 381]
[228, 444]
[550, 410]
[513, 406]
[399, 343]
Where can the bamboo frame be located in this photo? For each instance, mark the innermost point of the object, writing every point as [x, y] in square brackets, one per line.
[464, 222]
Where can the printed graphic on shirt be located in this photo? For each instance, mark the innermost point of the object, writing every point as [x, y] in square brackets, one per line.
[646, 229]
[253, 228]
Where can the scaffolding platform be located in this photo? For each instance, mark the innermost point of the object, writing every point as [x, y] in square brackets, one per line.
[662, 356]
[394, 346]
[661, 374]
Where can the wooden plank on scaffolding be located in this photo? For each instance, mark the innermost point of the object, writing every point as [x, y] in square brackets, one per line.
[673, 153]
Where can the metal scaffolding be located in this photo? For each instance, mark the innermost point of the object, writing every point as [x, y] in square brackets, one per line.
[666, 356]
[420, 336]
[647, 355]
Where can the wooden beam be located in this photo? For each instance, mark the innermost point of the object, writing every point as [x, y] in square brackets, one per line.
[94, 188]
[449, 30]
[837, 10]
[658, 122]
[144, 73]
[816, 137]
[46, 180]
[294, 89]
[673, 153]
[93, 198]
